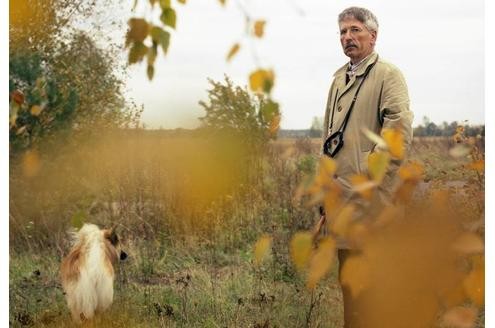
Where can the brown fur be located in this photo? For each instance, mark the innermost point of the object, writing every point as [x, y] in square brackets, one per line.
[71, 264]
[111, 257]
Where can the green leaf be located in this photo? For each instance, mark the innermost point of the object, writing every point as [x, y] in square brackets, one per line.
[269, 111]
[78, 219]
[137, 52]
[168, 17]
[138, 29]
[378, 164]
[150, 71]
[152, 53]
[161, 37]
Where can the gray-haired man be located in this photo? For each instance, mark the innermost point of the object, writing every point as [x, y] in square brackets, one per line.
[367, 92]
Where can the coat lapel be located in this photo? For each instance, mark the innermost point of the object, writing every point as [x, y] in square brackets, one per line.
[340, 74]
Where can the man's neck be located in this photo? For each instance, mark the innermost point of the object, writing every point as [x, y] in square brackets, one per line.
[356, 61]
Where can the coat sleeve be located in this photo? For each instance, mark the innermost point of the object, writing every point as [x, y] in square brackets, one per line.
[395, 114]
[326, 120]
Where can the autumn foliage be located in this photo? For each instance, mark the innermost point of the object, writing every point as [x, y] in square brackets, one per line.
[414, 260]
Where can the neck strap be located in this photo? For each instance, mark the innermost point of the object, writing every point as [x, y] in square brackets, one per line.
[348, 114]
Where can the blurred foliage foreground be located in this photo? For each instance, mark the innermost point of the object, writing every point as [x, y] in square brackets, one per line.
[221, 235]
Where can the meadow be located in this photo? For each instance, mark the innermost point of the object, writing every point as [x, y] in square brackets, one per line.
[189, 213]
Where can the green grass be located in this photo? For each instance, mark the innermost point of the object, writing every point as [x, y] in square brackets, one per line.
[186, 287]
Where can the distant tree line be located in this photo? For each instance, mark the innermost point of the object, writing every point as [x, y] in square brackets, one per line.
[426, 129]
[430, 129]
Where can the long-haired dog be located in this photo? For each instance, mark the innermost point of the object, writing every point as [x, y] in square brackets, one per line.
[87, 272]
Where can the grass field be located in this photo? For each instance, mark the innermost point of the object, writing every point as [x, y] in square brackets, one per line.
[189, 215]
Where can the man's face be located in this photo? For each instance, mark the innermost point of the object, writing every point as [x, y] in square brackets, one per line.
[357, 41]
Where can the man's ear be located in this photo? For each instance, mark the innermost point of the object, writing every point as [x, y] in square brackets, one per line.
[374, 35]
[111, 235]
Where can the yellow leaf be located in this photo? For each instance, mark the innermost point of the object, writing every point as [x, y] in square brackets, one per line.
[380, 143]
[222, 2]
[259, 27]
[31, 163]
[440, 197]
[261, 80]
[343, 221]
[301, 246]
[321, 262]
[395, 142]
[405, 191]
[412, 171]
[235, 48]
[477, 165]
[261, 249]
[377, 165]
[357, 234]
[327, 167]
[474, 283]
[388, 215]
[333, 200]
[355, 274]
[469, 243]
[460, 317]
[36, 110]
[362, 185]
[454, 296]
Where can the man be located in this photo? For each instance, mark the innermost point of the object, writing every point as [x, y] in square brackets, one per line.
[366, 93]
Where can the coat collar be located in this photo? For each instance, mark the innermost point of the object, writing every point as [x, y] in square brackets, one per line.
[362, 68]
[340, 74]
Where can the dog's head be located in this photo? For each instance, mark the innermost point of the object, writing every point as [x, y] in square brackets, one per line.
[113, 239]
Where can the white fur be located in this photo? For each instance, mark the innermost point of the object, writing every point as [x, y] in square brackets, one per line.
[92, 292]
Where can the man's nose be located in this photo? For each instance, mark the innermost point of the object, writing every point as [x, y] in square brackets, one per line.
[345, 37]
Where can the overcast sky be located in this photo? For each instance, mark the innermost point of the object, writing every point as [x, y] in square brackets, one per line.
[438, 45]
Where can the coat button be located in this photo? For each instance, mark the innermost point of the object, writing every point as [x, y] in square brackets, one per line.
[335, 141]
[339, 109]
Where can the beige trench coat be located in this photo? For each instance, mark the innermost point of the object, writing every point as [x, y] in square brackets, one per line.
[382, 102]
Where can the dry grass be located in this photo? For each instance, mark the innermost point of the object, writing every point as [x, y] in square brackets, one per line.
[189, 212]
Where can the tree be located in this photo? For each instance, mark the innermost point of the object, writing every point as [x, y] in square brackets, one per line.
[60, 81]
[232, 110]
[146, 36]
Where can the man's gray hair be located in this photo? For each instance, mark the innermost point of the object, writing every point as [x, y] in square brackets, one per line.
[361, 14]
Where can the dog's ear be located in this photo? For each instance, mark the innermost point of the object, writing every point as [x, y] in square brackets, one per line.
[111, 235]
